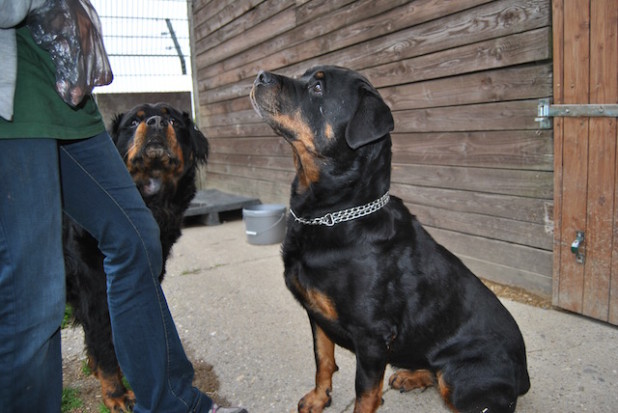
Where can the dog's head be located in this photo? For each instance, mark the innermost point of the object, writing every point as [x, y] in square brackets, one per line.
[330, 116]
[159, 144]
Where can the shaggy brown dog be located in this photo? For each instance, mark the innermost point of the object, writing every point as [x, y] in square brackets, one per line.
[162, 149]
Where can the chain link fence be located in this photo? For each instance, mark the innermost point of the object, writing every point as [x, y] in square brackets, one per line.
[148, 45]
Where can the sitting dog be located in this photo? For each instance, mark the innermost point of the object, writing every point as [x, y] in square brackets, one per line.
[371, 279]
[162, 149]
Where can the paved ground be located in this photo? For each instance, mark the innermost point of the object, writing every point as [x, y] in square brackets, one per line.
[233, 312]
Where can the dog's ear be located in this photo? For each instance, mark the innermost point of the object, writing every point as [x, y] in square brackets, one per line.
[371, 121]
[115, 125]
[198, 140]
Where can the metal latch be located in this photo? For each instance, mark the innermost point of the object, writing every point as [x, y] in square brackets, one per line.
[546, 111]
[577, 245]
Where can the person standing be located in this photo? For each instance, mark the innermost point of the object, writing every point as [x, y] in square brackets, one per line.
[55, 157]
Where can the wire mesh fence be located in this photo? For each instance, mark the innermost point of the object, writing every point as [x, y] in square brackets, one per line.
[148, 44]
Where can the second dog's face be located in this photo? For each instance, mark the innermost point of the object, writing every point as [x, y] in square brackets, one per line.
[326, 115]
[159, 144]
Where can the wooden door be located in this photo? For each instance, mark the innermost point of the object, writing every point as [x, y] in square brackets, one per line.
[586, 181]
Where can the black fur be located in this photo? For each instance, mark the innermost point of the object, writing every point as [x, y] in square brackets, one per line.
[166, 180]
[379, 285]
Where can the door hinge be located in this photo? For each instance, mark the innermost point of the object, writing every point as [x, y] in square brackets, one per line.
[546, 111]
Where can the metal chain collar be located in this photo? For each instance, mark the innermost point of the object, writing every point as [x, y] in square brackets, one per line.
[349, 214]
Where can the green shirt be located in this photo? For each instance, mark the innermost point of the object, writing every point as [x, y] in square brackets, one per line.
[39, 111]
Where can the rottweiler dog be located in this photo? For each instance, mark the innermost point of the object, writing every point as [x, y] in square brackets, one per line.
[162, 149]
[371, 279]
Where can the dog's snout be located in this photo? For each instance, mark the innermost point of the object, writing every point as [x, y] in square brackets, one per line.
[156, 122]
[265, 78]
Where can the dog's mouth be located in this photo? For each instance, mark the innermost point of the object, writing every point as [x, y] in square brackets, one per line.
[153, 166]
[151, 187]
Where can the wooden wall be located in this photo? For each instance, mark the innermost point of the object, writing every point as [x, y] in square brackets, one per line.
[463, 79]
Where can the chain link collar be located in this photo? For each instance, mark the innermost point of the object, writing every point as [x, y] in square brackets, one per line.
[349, 214]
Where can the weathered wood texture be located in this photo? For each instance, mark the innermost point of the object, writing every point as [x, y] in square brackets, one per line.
[462, 78]
[586, 197]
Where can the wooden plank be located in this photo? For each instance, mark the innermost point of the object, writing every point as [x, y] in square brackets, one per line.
[267, 191]
[252, 161]
[575, 151]
[499, 52]
[519, 149]
[257, 34]
[512, 115]
[528, 259]
[519, 82]
[516, 232]
[239, 130]
[225, 24]
[513, 276]
[251, 172]
[265, 146]
[533, 210]
[613, 296]
[558, 78]
[574, 190]
[601, 160]
[534, 184]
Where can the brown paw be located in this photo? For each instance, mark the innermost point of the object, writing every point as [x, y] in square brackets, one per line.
[406, 380]
[120, 404]
[315, 401]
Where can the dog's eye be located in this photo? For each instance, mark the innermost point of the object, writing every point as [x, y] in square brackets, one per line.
[316, 88]
[134, 123]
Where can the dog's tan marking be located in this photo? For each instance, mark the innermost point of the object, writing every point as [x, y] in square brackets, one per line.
[317, 301]
[138, 140]
[305, 157]
[174, 145]
[329, 132]
[406, 380]
[116, 397]
[319, 398]
[445, 392]
[321, 303]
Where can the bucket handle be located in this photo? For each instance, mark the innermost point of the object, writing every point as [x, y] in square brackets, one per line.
[255, 233]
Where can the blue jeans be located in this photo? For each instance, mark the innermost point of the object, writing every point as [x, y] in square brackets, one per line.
[89, 181]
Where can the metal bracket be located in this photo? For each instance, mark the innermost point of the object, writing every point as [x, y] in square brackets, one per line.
[546, 111]
[576, 247]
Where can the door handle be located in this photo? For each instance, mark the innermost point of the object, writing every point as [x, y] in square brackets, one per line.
[576, 247]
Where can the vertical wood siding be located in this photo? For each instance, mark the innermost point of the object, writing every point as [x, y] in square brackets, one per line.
[462, 78]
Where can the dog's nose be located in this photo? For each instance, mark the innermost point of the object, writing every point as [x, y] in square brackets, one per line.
[264, 78]
[156, 122]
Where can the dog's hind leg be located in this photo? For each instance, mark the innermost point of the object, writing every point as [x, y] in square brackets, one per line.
[324, 349]
[406, 380]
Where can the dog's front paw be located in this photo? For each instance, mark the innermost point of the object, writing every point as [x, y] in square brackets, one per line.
[406, 380]
[315, 401]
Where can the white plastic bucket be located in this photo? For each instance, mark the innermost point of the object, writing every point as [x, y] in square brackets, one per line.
[264, 223]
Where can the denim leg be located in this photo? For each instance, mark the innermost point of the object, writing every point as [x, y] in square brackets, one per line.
[100, 195]
[32, 291]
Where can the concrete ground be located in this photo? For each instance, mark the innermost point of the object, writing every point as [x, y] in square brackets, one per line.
[233, 312]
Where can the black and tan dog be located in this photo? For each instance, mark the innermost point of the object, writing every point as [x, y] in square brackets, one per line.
[370, 277]
[162, 149]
